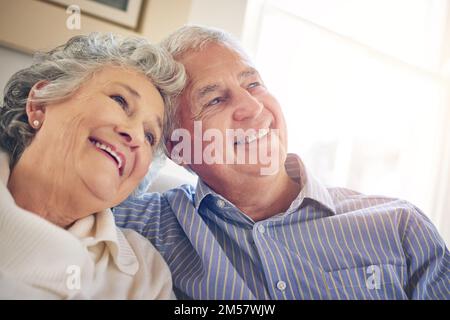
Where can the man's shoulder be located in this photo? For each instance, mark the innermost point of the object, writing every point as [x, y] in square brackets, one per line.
[185, 191]
[148, 200]
[154, 215]
[348, 200]
[402, 213]
[153, 206]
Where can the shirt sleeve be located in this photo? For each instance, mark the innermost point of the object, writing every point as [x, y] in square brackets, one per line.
[427, 257]
[143, 215]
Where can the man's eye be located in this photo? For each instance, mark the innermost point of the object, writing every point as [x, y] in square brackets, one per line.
[150, 138]
[214, 101]
[120, 100]
[253, 85]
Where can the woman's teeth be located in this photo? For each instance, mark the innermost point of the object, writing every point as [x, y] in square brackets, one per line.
[110, 151]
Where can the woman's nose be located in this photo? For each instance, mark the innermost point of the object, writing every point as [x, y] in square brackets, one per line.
[126, 136]
[133, 137]
[248, 107]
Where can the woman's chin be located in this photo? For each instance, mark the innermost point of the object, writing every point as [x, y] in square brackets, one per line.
[103, 187]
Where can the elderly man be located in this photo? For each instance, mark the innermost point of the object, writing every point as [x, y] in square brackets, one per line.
[243, 233]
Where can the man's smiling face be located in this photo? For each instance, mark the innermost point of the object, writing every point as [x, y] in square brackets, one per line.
[225, 92]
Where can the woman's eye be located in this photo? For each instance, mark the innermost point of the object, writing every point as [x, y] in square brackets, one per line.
[150, 138]
[120, 100]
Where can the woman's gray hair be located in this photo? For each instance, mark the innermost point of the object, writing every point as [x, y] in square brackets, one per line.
[187, 39]
[66, 67]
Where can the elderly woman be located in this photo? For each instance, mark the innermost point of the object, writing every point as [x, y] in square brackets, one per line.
[78, 131]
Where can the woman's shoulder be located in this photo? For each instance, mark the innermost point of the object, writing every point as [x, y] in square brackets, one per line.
[152, 267]
[139, 243]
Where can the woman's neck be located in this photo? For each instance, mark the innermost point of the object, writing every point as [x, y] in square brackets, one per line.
[33, 192]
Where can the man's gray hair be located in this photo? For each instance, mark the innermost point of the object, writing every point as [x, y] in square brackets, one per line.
[66, 67]
[185, 40]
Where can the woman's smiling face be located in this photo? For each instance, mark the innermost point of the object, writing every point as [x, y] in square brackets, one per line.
[97, 144]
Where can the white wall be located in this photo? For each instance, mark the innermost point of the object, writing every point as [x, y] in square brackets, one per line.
[159, 19]
[11, 61]
[30, 25]
[228, 15]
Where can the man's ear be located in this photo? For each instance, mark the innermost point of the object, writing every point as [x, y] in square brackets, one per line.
[35, 110]
[179, 161]
[169, 147]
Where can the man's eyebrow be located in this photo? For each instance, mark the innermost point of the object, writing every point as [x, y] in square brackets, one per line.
[129, 89]
[247, 73]
[203, 91]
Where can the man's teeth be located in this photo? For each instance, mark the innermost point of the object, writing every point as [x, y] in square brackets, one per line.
[111, 152]
[250, 138]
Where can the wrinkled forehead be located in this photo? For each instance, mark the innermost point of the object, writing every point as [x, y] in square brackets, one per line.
[213, 55]
[213, 46]
[213, 62]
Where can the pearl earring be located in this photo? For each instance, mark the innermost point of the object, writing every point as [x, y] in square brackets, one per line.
[36, 123]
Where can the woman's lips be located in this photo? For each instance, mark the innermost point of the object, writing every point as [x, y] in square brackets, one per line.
[110, 151]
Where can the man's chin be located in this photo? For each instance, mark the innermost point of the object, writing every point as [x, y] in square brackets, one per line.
[258, 169]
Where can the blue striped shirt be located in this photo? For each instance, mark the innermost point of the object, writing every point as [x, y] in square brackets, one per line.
[330, 244]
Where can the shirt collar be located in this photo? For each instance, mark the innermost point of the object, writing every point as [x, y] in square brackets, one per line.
[311, 188]
[201, 192]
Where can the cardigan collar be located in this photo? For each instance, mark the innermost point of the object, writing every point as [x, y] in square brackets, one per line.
[24, 235]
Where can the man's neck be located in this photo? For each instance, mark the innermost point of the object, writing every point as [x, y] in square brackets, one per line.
[262, 197]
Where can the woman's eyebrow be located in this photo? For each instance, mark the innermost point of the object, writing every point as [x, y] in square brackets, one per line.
[136, 94]
[129, 89]
[156, 122]
[159, 122]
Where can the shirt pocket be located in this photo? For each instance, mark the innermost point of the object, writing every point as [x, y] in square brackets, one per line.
[373, 282]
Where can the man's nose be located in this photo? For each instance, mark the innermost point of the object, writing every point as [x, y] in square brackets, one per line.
[248, 107]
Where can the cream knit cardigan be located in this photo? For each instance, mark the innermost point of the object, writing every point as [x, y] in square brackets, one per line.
[93, 259]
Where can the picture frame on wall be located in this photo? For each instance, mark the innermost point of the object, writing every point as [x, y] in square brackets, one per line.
[123, 12]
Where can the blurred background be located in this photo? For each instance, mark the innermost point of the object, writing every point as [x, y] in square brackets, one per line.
[364, 84]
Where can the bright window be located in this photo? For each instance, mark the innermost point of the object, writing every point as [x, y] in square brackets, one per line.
[362, 87]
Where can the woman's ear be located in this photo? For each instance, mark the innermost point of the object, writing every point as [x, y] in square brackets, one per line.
[35, 109]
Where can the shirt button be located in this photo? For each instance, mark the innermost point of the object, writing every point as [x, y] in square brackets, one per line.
[220, 203]
[281, 285]
[261, 228]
